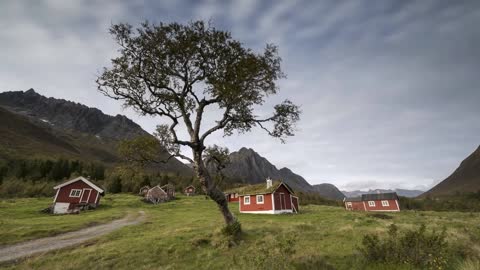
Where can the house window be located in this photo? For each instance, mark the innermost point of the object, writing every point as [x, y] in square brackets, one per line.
[246, 200]
[385, 203]
[349, 204]
[371, 203]
[75, 193]
[259, 199]
[232, 196]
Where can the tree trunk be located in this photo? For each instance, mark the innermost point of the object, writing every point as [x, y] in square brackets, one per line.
[211, 189]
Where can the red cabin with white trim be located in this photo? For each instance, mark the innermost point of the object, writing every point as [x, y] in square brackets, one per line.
[382, 202]
[273, 198]
[76, 193]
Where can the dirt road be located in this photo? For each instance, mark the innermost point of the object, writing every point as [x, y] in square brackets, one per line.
[25, 249]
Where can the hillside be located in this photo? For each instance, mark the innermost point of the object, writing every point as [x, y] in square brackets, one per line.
[409, 193]
[329, 191]
[33, 126]
[466, 178]
[186, 232]
[248, 167]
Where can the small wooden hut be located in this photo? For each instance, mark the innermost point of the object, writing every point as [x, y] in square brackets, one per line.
[156, 195]
[143, 191]
[170, 190]
[189, 191]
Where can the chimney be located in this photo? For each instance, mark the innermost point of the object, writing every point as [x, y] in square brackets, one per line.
[269, 182]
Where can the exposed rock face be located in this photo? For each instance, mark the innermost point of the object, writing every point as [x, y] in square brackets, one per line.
[34, 126]
[329, 191]
[247, 166]
[70, 116]
[466, 178]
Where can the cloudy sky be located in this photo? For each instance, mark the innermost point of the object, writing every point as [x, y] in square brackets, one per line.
[389, 89]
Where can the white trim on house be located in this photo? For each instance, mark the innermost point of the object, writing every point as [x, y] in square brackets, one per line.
[80, 179]
[364, 206]
[398, 206]
[96, 199]
[260, 196]
[73, 193]
[383, 210]
[268, 212]
[385, 203]
[56, 195]
[273, 202]
[371, 203]
[245, 201]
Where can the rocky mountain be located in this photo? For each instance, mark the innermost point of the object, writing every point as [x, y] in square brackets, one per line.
[329, 191]
[248, 167]
[34, 126]
[466, 178]
[400, 192]
[70, 116]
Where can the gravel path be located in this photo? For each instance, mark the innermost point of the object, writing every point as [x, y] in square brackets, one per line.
[25, 249]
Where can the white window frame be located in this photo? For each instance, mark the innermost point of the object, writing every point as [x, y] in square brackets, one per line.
[385, 204]
[245, 200]
[349, 204]
[371, 203]
[73, 193]
[263, 199]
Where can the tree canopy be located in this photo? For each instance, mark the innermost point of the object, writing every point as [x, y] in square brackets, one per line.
[175, 71]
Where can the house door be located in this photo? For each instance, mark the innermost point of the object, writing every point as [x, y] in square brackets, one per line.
[85, 195]
[282, 201]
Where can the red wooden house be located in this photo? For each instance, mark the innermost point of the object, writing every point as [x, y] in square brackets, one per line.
[382, 202]
[75, 194]
[272, 198]
[232, 195]
[189, 191]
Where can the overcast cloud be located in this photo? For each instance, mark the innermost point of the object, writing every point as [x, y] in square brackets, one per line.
[389, 89]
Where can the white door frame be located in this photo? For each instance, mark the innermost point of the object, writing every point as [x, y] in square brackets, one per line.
[83, 193]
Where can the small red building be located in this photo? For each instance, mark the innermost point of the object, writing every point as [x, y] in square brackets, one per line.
[272, 198]
[382, 202]
[189, 191]
[75, 194]
[232, 195]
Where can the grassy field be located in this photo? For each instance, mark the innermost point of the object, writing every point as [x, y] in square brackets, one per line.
[185, 234]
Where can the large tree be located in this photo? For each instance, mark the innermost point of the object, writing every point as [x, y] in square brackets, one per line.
[176, 71]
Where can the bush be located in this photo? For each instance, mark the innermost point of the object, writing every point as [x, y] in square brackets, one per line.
[413, 247]
[380, 216]
[234, 229]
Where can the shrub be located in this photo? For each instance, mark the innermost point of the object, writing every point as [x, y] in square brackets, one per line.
[234, 229]
[380, 216]
[413, 247]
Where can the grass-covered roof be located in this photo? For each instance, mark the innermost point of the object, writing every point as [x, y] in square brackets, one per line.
[256, 189]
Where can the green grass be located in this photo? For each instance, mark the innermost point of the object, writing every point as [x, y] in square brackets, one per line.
[21, 219]
[185, 234]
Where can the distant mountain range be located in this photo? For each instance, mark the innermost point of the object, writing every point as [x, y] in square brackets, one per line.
[329, 191]
[400, 192]
[248, 167]
[466, 178]
[33, 126]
